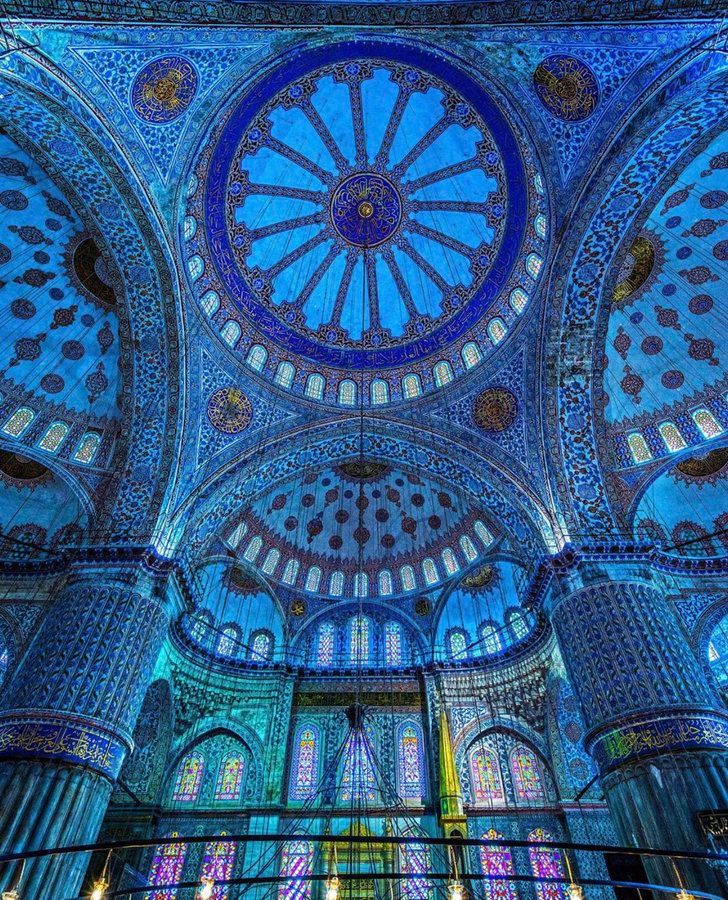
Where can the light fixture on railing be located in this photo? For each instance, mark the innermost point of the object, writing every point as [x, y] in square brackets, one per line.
[12, 894]
[207, 886]
[682, 894]
[99, 889]
[574, 890]
[332, 887]
[455, 888]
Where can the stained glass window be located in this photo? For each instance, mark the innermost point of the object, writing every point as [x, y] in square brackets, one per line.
[471, 355]
[87, 447]
[261, 646]
[237, 534]
[468, 548]
[5, 662]
[443, 373]
[304, 770]
[486, 776]
[361, 584]
[496, 330]
[325, 644]
[211, 303]
[497, 860]
[672, 437]
[490, 637]
[385, 583]
[255, 545]
[271, 561]
[257, 357]
[409, 752]
[200, 624]
[533, 265]
[196, 267]
[315, 385]
[458, 645]
[517, 622]
[546, 863]
[526, 775]
[285, 374]
[638, 447]
[217, 863]
[336, 584]
[448, 560]
[313, 579]
[189, 778]
[380, 391]
[411, 386]
[359, 639]
[230, 777]
[429, 570]
[296, 864]
[167, 865]
[539, 225]
[290, 573]
[518, 300]
[483, 532]
[393, 644]
[707, 423]
[228, 640]
[357, 781]
[407, 575]
[416, 863]
[347, 392]
[230, 333]
[53, 437]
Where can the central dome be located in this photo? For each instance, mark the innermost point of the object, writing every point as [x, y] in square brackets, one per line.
[372, 211]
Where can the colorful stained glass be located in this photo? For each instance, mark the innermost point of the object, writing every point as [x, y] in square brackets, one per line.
[471, 355]
[546, 863]
[416, 864]
[638, 447]
[357, 782]
[261, 647]
[217, 863]
[526, 776]
[410, 762]
[167, 865]
[296, 864]
[189, 778]
[325, 644]
[359, 640]
[458, 645]
[19, 421]
[497, 861]
[486, 777]
[86, 451]
[393, 644]
[304, 771]
[53, 437]
[228, 639]
[230, 777]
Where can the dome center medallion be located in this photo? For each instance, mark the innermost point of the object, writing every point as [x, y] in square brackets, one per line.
[365, 209]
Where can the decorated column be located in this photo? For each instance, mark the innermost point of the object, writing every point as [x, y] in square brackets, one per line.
[68, 715]
[655, 729]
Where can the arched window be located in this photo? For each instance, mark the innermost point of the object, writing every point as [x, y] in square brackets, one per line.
[257, 357]
[53, 437]
[304, 767]
[486, 777]
[672, 437]
[285, 374]
[496, 330]
[497, 860]
[19, 421]
[393, 644]
[361, 584]
[200, 623]
[88, 447]
[196, 267]
[490, 638]
[546, 863]
[290, 573]
[315, 385]
[526, 775]
[533, 265]
[448, 560]
[347, 392]
[407, 576]
[228, 641]
[261, 646]
[385, 583]
[416, 864]
[230, 333]
[379, 392]
[468, 548]
[217, 864]
[471, 355]
[237, 534]
[230, 776]
[483, 533]
[457, 644]
[411, 386]
[518, 300]
[638, 447]
[539, 225]
[5, 662]
[313, 579]
[167, 865]
[325, 644]
[517, 623]
[296, 865]
[707, 423]
[410, 768]
[538, 184]
[189, 227]
[255, 545]
[359, 640]
[442, 373]
[357, 780]
[210, 303]
[271, 561]
[336, 584]
[429, 570]
[189, 778]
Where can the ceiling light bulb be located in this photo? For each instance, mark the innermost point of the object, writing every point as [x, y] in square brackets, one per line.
[456, 890]
[332, 888]
[682, 894]
[576, 892]
[98, 891]
[205, 892]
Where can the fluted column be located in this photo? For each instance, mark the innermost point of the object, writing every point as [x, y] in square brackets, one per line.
[655, 729]
[68, 715]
